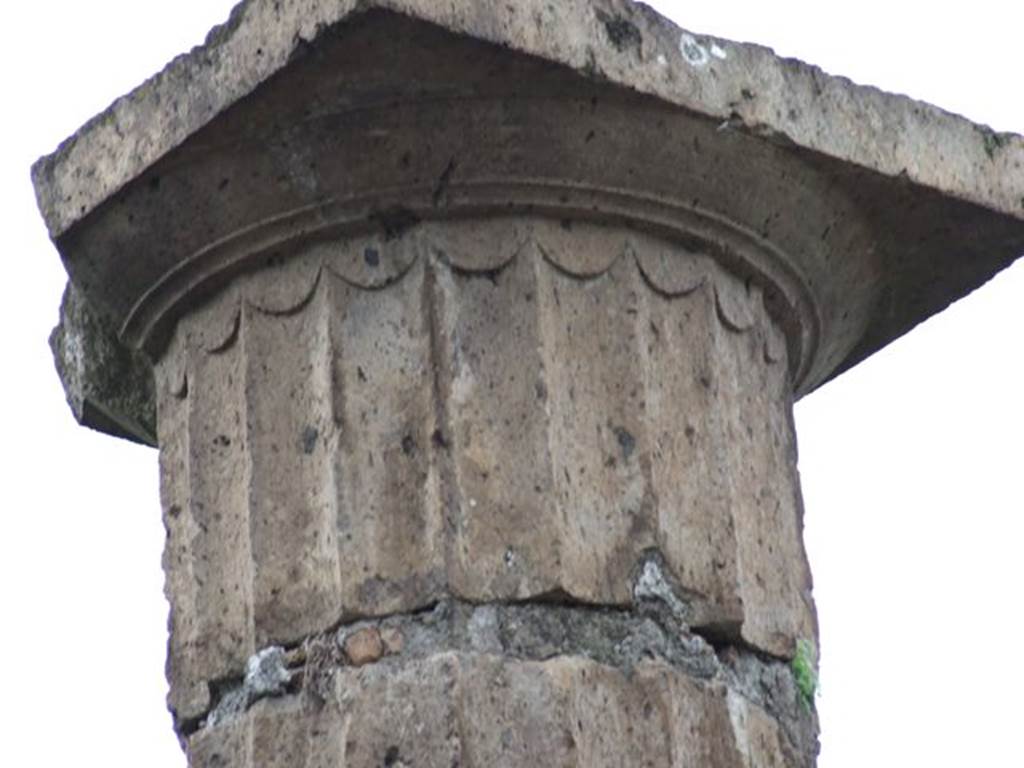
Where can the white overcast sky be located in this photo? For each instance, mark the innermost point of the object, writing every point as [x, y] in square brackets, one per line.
[911, 463]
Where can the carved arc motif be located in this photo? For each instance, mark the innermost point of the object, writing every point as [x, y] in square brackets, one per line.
[509, 388]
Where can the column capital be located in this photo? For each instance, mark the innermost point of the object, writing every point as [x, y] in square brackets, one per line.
[857, 213]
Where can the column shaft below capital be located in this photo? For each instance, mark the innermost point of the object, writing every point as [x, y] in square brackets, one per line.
[502, 412]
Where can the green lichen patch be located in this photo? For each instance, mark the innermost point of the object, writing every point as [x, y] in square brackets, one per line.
[805, 671]
[993, 141]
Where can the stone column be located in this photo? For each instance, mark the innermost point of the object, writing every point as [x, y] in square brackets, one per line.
[473, 335]
[530, 472]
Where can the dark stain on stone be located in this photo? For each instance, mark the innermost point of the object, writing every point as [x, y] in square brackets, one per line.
[309, 437]
[395, 221]
[439, 440]
[301, 48]
[222, 441]
[621, 32]
[408, 445]
[626, 441]
[274, 259]
[442, 183]
[392, 756]
[590, 67]
[372, 257]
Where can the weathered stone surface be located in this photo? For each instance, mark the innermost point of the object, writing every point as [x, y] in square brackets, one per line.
[393, 640]
[474, 399]
[622, 41]
[502, 435]
[498, 684]
[477, 710]
[108, 386]
[868, 211]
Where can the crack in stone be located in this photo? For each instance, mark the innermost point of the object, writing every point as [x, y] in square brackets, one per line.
[266, 674]
[651, 584]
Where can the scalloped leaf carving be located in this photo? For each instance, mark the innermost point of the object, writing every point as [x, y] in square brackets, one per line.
[774, 341]
[213, 327]
[735, 303]
[578, 248]
[669, 269]
[371, 261]
[477, 247]
[170, 372]
[282, 288]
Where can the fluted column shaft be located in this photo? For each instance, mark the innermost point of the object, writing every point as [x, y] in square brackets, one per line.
[527, 486]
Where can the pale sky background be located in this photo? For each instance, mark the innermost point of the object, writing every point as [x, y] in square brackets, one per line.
[911, 463]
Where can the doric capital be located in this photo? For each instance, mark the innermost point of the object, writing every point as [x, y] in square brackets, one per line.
[855, 214]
